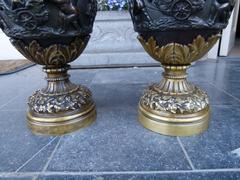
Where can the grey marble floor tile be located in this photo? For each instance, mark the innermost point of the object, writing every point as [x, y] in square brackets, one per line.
[38, 162]
[227, 75]
[28, 76]
[20, 98]
[19, 103]
[81, 76]
[17, 143]
[16, 84]
[219, 72]
[203, 72]
[219, 147]
[17, 178]
[167, 176]
[217, 95]
[117, 142]
[107, 95]
[232, 88]
[128, 76]
[229, 61]
[117, 95]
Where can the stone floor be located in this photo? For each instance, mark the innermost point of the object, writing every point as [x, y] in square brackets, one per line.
[235, 52]
[116, 146]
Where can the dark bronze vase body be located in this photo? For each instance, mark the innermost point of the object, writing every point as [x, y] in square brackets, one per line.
[53, 33]
[177, 33]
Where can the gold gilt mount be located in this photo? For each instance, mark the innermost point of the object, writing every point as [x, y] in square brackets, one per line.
[61, 107]
[176, 107]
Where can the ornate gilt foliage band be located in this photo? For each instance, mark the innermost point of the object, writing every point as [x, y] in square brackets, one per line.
[70, 101]
[193, 102]
[179, 54]
[53, 55]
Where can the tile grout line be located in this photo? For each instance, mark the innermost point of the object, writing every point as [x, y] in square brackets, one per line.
[13, 110]
[11, 100]
[51, 156]
[186, 154]
[15, 97]
[24, 164]
[221, 105]
[63, 173]
[223, 90]
[35, 177]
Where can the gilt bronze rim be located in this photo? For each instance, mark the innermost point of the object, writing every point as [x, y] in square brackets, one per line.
[175, 125]
[61, 125]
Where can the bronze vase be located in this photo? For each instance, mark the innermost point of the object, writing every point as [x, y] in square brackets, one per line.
[177, 33]
[53, 33]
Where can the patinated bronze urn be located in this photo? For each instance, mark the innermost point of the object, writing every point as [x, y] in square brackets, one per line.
[53, 33]
[177, 33]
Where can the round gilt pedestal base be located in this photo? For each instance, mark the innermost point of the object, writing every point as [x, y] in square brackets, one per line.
[175, 107]
[178, 125]
[174, 125]
[62, 107]
[61, 125]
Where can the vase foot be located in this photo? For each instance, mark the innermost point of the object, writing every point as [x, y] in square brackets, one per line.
[177, 125]
[61, 107]
[174, 114]
[61, 123]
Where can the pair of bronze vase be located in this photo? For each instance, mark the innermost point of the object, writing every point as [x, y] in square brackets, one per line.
[176, 33]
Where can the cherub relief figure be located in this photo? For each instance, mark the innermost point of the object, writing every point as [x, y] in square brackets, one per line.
[221, 11]
[137, 6]
[16, 4]
[139, 12]
[68, 13]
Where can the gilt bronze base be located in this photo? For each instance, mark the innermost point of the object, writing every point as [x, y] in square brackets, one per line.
[62, 107]
[174, 107]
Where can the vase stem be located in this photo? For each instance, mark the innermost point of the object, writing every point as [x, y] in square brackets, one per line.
[58, 82]
[174, 81]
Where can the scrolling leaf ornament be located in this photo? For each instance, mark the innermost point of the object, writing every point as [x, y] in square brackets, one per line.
[54, 55]
[178, 54]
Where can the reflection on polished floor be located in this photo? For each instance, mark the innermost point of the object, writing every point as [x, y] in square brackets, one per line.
[116, 146]
[235, 52]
